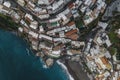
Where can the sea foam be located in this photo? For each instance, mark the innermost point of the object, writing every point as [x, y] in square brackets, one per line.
[66, 70]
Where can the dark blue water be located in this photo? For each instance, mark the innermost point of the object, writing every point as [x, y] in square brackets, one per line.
[16, 64]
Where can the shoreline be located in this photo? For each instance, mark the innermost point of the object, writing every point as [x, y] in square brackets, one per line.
[70, 73]
[66, 70]
[76, 71]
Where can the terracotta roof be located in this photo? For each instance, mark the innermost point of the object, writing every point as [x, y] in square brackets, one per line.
[75, 51]
[71, 23]
[118, 78]
[28, 19]
[70, 32]
[73, 36]
[58, 47]
[71, 5]
[104, 60]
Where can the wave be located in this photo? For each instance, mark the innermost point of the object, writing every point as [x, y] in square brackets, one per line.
[28, 52]
[66, 70]
[45, 66]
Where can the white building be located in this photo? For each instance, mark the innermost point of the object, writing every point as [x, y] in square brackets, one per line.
[21, 2]
[33, 34]
[47, 2]
[7, 4]
[34, 25]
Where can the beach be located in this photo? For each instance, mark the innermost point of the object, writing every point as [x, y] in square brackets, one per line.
[66, 70]
[76, 71]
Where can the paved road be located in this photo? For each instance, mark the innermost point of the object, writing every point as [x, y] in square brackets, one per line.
[110, 8]
[28, 11]
[62, 8]
[52, 16]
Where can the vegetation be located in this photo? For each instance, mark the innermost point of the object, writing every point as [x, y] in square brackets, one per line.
[115, 25]
[112, 50]
[113, 37]
[108, 1]
[7, 23]
[84, 31]
[79, 23]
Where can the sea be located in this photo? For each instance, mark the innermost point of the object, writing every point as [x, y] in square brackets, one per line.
[18, 63]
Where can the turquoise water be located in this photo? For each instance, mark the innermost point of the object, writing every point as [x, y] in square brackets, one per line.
[16, 64]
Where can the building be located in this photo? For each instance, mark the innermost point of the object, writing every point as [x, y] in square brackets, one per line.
[73, 52]
[1, 1]
[33, 34]
[21, 2]
[34, 25]
[28, 17]
[7, 4]
[46, 2]
[102, 38]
